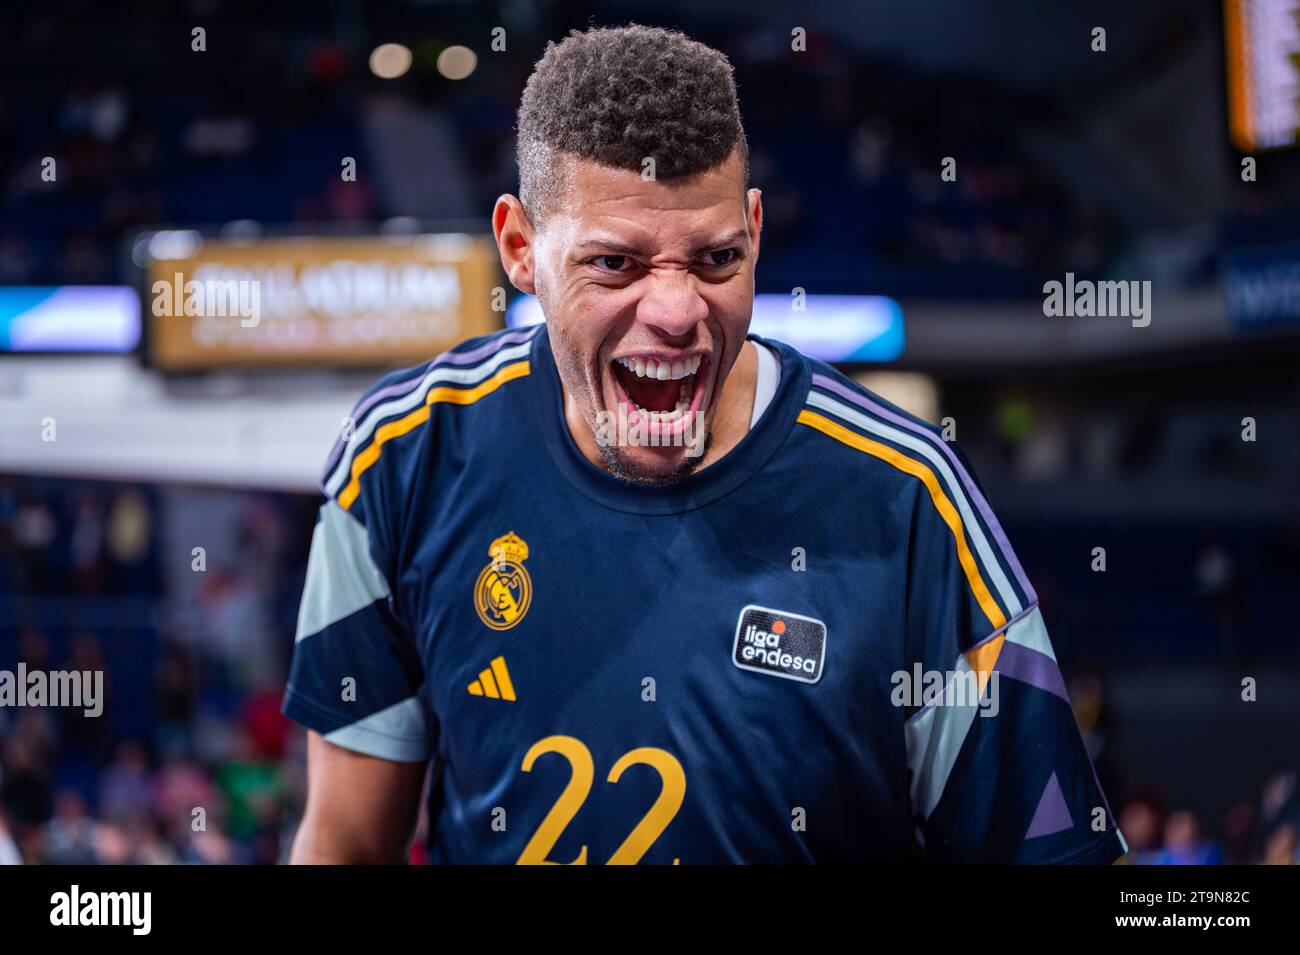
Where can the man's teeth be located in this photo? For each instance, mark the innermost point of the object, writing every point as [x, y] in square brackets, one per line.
[661, 370]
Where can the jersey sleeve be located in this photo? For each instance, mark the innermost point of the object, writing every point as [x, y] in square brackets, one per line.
[998, 771]
[355, 675]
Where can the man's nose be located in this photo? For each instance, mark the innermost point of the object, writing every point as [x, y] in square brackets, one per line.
[672, 304]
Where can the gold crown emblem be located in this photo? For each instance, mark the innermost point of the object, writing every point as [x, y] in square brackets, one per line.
[503, 591]
[508, 548]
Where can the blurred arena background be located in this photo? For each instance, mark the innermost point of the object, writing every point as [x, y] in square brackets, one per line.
[129, 439]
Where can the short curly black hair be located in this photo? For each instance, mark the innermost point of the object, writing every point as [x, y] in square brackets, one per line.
[617, 95]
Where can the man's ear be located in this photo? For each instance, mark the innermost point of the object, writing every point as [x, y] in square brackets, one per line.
[514, 235]
[755, 223]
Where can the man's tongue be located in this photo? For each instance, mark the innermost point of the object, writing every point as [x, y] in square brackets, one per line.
[649, 393]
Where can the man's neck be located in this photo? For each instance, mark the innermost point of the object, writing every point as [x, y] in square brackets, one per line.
[735, 406]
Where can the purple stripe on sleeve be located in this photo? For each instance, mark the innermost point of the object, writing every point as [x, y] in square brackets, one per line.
[968, 485]
[1030, 666]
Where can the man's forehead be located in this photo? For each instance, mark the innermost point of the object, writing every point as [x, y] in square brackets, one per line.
[590, 177]
[604, 203]
[593, 184]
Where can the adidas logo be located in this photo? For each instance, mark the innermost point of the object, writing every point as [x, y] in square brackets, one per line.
[494, 682]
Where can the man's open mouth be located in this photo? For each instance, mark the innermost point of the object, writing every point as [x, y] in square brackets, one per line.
[665, 393]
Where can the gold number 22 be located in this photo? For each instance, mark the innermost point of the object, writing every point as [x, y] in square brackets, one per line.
[583, 772]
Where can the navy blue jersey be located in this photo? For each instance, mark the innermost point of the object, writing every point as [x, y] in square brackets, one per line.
[819, 648]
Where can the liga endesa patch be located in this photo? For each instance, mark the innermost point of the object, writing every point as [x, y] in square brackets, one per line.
[780, 644]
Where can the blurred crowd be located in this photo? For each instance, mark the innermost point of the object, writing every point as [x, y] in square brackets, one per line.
[235, 806]
[1159, 829]
[1260, 831]
[191, 760]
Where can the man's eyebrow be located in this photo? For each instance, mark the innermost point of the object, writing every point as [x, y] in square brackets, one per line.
[612, 246]
[608, 247]
[728, 240]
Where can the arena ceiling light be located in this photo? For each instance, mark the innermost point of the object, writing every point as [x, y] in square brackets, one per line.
[390, 60]
[457, 62]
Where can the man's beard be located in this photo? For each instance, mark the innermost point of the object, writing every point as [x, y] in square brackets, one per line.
[618, 464]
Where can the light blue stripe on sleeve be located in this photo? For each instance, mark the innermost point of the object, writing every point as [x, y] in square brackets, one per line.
[934, 739]
[341, 575]
[399, 733]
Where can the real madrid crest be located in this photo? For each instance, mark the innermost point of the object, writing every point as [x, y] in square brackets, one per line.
[504, 590]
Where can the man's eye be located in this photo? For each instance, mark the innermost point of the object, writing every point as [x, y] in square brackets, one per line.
[723, 256]
[611, 263]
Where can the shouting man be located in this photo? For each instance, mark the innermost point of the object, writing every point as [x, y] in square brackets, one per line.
[635, 585]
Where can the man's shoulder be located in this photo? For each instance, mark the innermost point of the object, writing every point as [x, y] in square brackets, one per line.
[385, 420]
[835, 393]
[846, 412]
[464, 365]
[888, 455]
